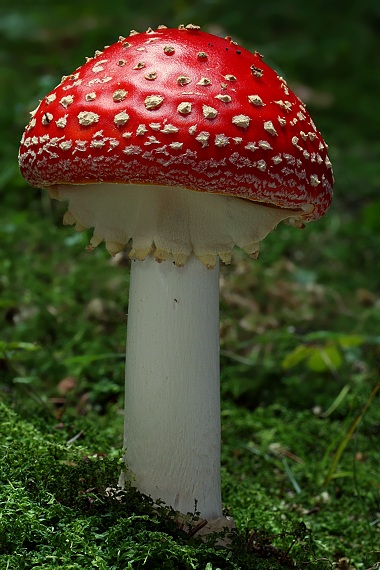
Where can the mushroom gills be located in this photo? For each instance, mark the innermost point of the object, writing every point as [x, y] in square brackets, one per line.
[169, 221]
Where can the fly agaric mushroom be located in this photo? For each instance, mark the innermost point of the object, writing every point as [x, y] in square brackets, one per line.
[180, 146]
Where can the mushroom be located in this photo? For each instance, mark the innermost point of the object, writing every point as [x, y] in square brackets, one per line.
[177, 145]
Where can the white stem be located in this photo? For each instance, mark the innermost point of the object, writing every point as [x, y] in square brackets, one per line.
[172, 398]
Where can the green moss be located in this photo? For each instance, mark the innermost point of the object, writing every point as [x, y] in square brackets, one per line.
[280, 459]
[56, 512]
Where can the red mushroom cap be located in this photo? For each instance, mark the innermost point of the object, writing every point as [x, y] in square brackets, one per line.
[180, 107]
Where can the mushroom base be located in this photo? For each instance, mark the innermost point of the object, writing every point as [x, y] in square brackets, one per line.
[170, 222]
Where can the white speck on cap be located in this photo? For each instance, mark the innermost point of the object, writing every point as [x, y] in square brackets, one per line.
[314, 180]
[183, 80]
[153, 101]
[256, 100]
[50, 98]
[65, 145]
[121, 118]
[119, 95]
[204, 81]
[47, 118]
[141, 130]
[98, 66]
[265, 145]
[224, 98]
[203, 138]
[251, 146]
[86, 118]
[209, 112]
[261, 165]
[61, 122]
[169, 129]
[184, 108]
[66, 101]
[286, 105]
[269, 127]
[221, 140]
[241, 121]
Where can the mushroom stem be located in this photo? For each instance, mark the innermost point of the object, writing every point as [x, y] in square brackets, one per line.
[172, 401]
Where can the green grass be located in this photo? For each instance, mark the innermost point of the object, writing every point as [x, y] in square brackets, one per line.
[300, 327]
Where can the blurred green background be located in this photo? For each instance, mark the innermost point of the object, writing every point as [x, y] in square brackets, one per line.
[300, 327]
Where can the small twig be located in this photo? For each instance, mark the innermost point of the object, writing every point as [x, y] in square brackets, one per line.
[77, 436]
[197, 528]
